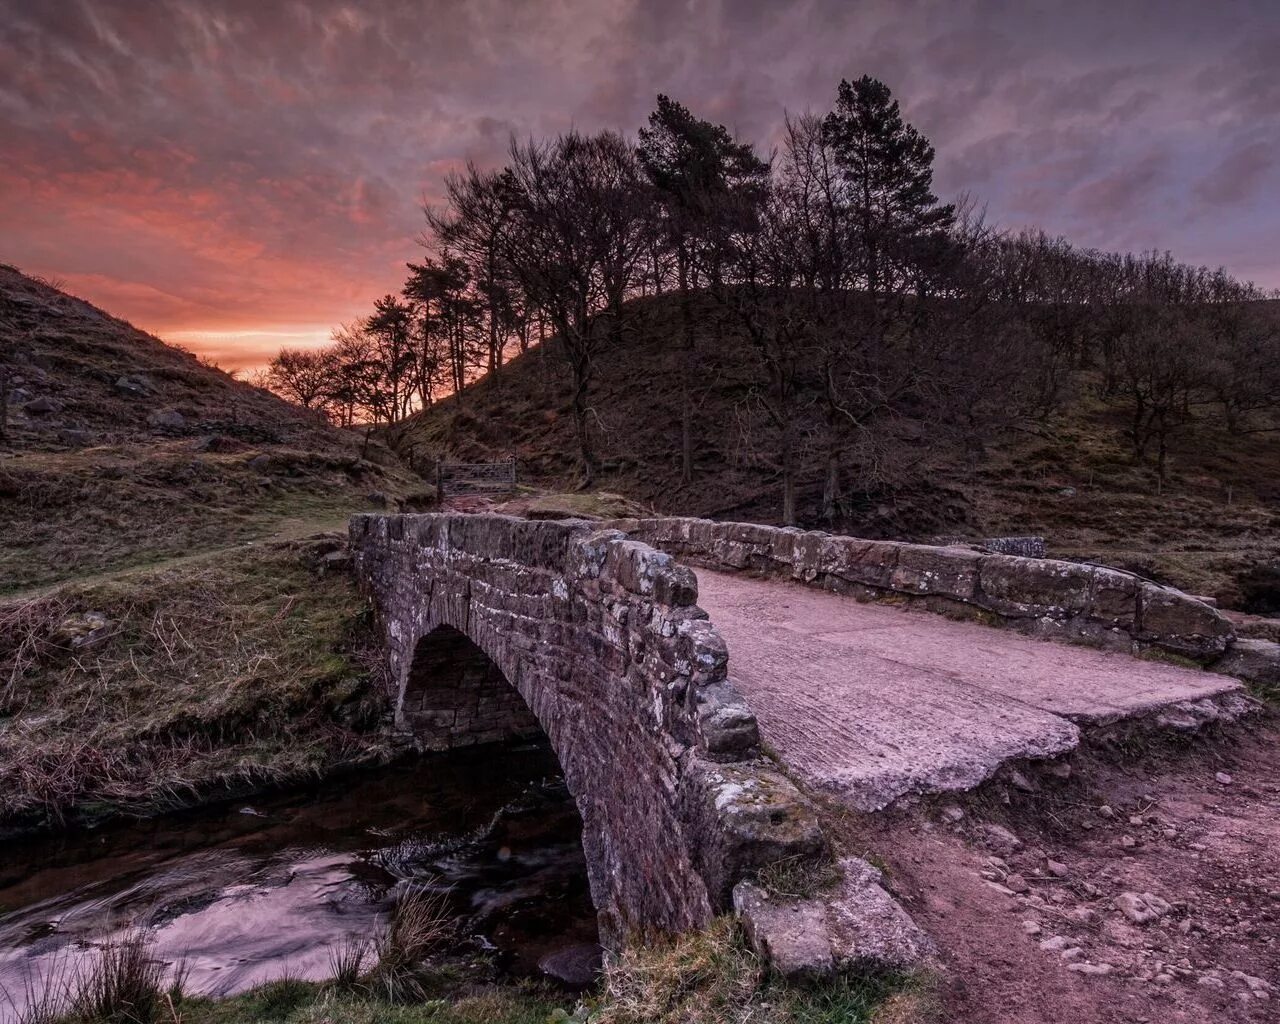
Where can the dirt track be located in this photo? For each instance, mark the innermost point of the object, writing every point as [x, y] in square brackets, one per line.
[1063, 950]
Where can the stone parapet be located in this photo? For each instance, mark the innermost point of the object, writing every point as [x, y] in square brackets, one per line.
[1083, 603]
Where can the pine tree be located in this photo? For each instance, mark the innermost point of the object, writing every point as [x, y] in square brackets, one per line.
[887, 168]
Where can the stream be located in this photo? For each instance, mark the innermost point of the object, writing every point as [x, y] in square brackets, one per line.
[246, 892]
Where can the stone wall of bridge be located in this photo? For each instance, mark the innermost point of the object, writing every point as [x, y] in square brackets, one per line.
[601, 638]
[1088, 604]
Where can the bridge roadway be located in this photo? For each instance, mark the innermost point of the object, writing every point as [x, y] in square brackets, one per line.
[871, 702]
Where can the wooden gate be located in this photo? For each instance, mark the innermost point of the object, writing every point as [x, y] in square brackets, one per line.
[458, 478]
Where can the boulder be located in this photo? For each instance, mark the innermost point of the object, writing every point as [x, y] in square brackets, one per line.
[217, 443]
[336, 561]
[1142, 908]
[42, 406]
[576, 965]
[855, 926]
[167, 419]
[136, 386]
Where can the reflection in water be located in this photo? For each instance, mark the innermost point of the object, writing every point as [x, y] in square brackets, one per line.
[246, 893]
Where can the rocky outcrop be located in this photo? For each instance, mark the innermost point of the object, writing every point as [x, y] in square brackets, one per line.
[602, 639]
[1083, 603]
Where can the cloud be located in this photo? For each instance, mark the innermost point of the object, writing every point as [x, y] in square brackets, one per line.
[1239, 177]
[239, 168]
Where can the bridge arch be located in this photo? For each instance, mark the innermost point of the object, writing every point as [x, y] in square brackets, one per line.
[455, 695]
[601, 639]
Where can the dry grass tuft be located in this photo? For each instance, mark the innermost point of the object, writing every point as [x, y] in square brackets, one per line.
[421, 925]
[706, 977]
[347, 962]
[123, 984]
[711, 977]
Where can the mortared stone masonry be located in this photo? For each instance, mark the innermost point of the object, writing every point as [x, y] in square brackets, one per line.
[494, 624]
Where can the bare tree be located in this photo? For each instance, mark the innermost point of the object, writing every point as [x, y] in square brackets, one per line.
[302, 376]
[576, 243]
[389, 328]
[478, 213]
[760, 292]
[448, 316]
[693, 165]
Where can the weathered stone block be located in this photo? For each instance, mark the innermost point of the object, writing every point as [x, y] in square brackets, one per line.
[1027, 587]
[950, 572]
[1254, 661]
[746, 815]
[1176, 622]
[790, 934]
[726, 726]
[854, 926]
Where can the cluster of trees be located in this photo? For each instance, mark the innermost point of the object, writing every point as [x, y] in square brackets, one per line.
[871, 308]
[1169, 343]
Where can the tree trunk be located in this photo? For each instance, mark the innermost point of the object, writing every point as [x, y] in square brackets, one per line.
[586, 454]
[1162, 452]
[686, 372]
[542, 357]
[832, 499]
[1137, 431]
[580, 361]
[831, 496]
[788, 476]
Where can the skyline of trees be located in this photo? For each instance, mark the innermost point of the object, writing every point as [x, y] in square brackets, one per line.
[868, 305]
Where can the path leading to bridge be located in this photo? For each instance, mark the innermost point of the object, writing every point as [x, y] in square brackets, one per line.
[872, 702]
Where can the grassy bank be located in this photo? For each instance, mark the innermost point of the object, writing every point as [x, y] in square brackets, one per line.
[708, 977]
[73, 513]
[168, 686]
[1209, 528]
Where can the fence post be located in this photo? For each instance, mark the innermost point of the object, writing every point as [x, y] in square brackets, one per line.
[440, 482]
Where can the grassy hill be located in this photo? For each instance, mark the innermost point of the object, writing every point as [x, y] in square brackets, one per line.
[171, 627]
[1213, 527]
[120, 450]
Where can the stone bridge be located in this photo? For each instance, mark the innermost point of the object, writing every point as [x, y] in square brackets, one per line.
[498, 627]
[596, 635]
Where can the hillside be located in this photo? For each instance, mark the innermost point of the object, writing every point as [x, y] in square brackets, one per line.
[120, 450]
[1213, 528]
[172, 629]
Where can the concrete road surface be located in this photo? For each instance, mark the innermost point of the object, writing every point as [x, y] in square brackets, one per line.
[872, 702]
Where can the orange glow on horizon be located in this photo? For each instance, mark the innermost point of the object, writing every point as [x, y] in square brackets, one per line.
[247, 349]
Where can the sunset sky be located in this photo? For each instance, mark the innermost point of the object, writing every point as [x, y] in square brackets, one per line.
[241, 176]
